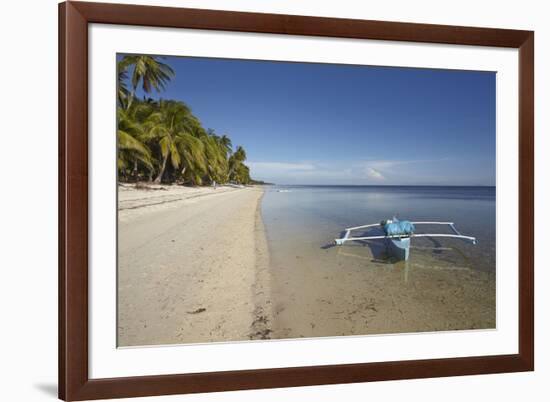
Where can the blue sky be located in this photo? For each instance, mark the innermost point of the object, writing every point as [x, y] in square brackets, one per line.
[304, 123]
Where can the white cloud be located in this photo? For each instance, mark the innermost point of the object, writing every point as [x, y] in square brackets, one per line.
[374, 174]
[373, 171]
[385, 169]
[299, 172]
[389, 163]
[280, 167]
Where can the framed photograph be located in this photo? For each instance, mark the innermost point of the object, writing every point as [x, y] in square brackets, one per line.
[259, 200]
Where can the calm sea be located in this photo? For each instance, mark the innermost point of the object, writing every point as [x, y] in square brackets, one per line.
[304, 220]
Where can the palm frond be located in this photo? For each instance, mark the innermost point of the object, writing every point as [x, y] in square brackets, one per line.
[130, 146]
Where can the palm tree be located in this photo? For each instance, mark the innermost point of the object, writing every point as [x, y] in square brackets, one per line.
[122, 89]
[236, 161]
[130, 140]
[164, 137]
[193, 158]
[147, 70]
[216, 157]
[240, 154]
[168, 128]
[242, 174]
[225, 142]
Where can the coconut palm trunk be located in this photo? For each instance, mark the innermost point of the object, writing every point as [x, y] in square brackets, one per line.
[130, 99]
[162, 168]
[183, 173]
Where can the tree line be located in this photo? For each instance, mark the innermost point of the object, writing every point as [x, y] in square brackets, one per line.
[162, 141]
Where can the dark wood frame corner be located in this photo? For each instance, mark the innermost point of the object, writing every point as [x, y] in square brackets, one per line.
[74, 382]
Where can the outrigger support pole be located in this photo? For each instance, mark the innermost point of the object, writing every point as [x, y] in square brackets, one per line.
[457, 234]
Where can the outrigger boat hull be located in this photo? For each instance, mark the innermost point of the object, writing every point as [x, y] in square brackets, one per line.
[399, 248]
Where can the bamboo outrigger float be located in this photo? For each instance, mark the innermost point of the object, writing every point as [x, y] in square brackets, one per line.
[399, 244]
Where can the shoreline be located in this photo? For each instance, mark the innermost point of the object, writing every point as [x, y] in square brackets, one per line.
[261, 327]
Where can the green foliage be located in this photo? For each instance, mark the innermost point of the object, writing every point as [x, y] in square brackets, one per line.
[164, 139]
[132, 151]
[145, 70]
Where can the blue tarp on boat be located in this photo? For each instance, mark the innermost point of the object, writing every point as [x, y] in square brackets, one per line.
[396, 227]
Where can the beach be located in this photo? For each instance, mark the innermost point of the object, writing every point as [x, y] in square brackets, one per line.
[191, 266]
[200, 265]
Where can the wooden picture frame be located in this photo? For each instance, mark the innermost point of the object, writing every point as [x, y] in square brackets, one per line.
[74, 381]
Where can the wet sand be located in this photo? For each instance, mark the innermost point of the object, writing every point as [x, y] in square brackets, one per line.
[353, 291]
[191, 266]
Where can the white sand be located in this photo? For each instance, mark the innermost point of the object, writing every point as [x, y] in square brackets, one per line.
[192, 266]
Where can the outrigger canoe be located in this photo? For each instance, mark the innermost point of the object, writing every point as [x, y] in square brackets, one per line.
[398, 235]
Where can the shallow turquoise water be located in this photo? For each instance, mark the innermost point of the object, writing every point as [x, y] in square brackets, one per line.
[308, 218]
